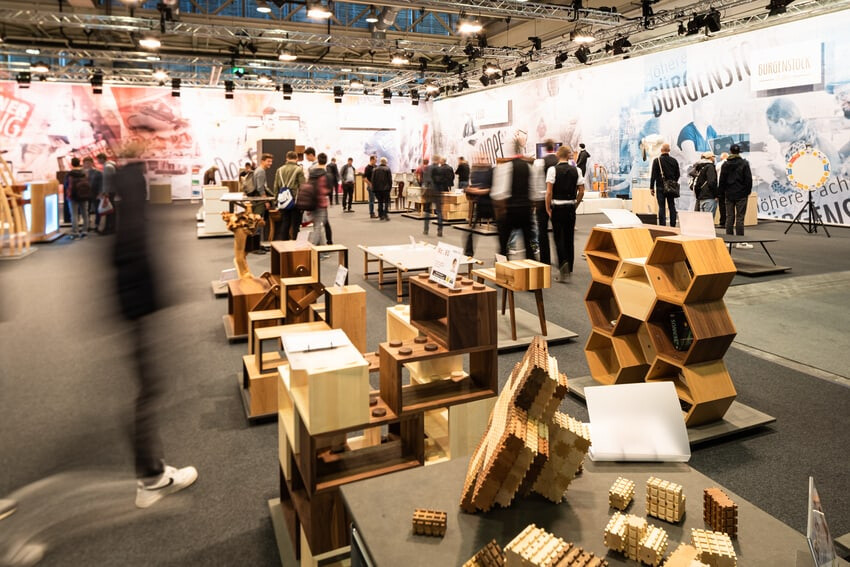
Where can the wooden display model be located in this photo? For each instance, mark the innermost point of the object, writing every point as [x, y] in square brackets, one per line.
[634, 538]
[665, 500]
[429, 522]
[319, 406]
[720, 513]
[621, 493]
[643, 281]
[535, 547]
[491, 555]
[715, 548]
[245, 295]
[684, 556]
[519, 275]
[527, 446]
[14, 234]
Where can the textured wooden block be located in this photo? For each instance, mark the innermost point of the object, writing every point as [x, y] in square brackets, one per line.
[569, 441]
[720, 513]
[715, 548]
[634, 538]
[429, 522]
[491, 555]
[621, 493]
[534, 547]
[665, 500]
[684, 556]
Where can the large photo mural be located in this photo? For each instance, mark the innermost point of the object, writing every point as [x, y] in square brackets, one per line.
[773, 91]
[43, 127]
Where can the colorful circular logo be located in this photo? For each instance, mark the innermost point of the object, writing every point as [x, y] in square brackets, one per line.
[807, 170]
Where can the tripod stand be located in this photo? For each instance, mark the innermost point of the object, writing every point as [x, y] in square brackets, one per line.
[811, 225]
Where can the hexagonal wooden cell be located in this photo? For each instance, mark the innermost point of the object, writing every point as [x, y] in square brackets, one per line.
[705, 390]
[605, 313]
[709, 323]
[686, 269]
[635, 295]
[616, 360]
[606, 247]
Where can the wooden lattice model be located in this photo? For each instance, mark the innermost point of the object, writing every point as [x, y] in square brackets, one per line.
[715, 548]
[13, 224]
[665, 500]
[528, 446]
[621, 493]
[535, 547]
[720, 512]
[491, 555]
[242, 225]
[633, 537]
[684, 556]
[429, 522]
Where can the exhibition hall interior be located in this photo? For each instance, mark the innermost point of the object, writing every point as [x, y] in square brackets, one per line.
[474, 283]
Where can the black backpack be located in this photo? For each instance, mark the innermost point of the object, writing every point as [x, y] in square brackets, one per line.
[81, 189]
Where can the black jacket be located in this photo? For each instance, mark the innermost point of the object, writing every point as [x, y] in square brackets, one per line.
[382, 178]
[736, 180]
[581, 161]
[705, 185]
[671, 171]
[333, 174]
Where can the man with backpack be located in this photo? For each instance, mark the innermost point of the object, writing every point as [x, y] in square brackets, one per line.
[705, 183]
[289, 177]
[318, 186]
[77, 186]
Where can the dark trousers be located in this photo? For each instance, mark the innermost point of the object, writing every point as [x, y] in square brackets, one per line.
[437, 201]
[147, 443]
[383, 198]
[670, 202]
[329, 238]
[516, 218]
[290, 223]
[563, 227]
[736, 210]
[336, 193]
[543, 233]
[347, 195]
[721, 204]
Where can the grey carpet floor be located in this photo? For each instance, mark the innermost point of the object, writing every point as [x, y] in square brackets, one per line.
[67, 390]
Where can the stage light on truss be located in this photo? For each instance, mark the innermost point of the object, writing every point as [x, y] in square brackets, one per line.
[400, 59]
[287, 91]
[286, 55]
[33, 51]
[228, 90]
[387, 96]
[469, 26]
[372, 16]
[264, 80]
[414, 98]
[318, 11]
[263, 7]
[24, 79]
[39, 67]
[150, 42]
[338, 92]
[583, 54]
[356, 83]
[175, 87]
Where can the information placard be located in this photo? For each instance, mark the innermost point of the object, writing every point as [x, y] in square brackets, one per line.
[447, 259]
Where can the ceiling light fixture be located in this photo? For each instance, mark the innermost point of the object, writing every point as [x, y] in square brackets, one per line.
[431, 88]
[287, 55]
[372, 16]
[160, 75]
[150, 42]
[491, 69]
[33, 51]
[400, 59]
[582, 37]
[465, 26]
[318, 11]
[153, 57]
[355, 83]
[263, 7]
[264, 80]
[39, 67]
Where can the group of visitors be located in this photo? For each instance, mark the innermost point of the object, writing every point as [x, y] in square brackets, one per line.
[89, 191]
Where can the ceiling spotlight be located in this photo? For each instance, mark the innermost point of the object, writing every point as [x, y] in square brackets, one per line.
[682, 30]
[387, 95]
[263, 7]
[318, 11]
[469, 26]
[620, 45]
[712, 20]
[175, 87]
[287, 91]
[372, 16]
[355, 83]
[485, 80]
[33, 51]
[582, 37]
[536, 43]
[491, 69]
[583, 54]
[559, 64]
[431, 88]
[228, 90]
[153, 57]
[39, 67]
[414, 98]
[97, 83]
[150, 42]
[264, 80]
[338, 95]
[777, 7]
[287, 55]
[160, 75]
[400, 59]
[24, 79]
[521, 69]
[463, 84]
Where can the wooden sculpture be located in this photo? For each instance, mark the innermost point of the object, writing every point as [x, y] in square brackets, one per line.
[665, 500]
[13, 227]
[720, 513]
[535, 547]
[242, 224]
[635, 538]
[621, 493]
[491, 555]
[715, 548]
[429, 522]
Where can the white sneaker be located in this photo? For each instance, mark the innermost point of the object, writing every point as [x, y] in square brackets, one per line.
[172, 480]
[744, 245]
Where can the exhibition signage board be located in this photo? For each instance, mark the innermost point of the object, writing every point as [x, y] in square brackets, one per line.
[447, 259]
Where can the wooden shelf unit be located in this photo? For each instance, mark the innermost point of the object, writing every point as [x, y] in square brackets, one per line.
[709, 322]
[607, 247]
[705, 390]
[686, 269]
[616, 360]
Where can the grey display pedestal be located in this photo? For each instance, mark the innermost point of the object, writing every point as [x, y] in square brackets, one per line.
[528, 327]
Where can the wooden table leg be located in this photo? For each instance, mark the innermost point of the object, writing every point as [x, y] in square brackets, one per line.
[513, 316]
[380, 274]
[365, 265]
[538, 295]
[399, 285]
[505, 298]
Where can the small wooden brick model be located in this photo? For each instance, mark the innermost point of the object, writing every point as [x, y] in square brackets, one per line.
[535, 547]
[491, 555]
[634, 538]
[429, 522]
[665, 500]
[684, 556]
[621, 493]
[715, 548]
[720, 512]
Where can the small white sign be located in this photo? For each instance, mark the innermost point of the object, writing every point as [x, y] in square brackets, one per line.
[500, 258]
[303, 236]
[621, 218]
[341, 276]
[227, 275]
[697, 223]
[412, 240]
[447, 259]
[232, 197]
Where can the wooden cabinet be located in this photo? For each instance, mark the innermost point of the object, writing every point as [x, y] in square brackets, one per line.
[657, 311]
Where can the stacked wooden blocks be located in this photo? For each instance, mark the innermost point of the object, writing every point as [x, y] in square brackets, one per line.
[621, 493]
[715, 548]
[644, 293]
[635, 538]
[535, 547]
[665, 500]
[429, 522]
[720, 512]
[684, 556]
[527, 446]
[491, 555]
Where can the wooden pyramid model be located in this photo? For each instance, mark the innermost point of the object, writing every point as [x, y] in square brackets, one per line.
[528, 445]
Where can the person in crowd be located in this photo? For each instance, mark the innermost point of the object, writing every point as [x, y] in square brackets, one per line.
[430, 198]
[664, 167]
[549, 160]
[246, 173]
[420, 172]
[514, 183]
[95, 178]
[367, 179]
[79, 191]
[262, 188]
[478, 195]
[210, 175]
[736, 181]
[108, 169]
[333, 177]
[581, 159]
[347, 175]
[442, 179]
[291, 176]
[564, 192]
[321, 182]
[382, 184]
[139, 297]
[309, 160]
[705, 183]
[462, 173]
[721, 198]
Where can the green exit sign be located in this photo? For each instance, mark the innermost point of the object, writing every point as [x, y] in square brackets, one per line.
[238, 70]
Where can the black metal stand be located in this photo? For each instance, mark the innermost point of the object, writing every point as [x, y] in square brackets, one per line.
[811, 225]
